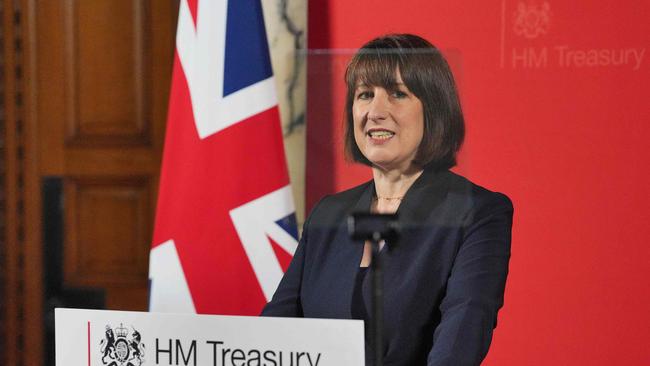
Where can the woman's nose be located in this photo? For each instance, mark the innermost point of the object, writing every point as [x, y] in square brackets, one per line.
[379, 106]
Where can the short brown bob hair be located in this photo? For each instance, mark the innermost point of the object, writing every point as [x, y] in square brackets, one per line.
[426, 74]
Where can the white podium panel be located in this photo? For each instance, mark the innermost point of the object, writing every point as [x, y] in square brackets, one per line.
[120, 338]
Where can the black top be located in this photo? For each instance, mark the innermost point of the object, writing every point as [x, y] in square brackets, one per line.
[358, 308]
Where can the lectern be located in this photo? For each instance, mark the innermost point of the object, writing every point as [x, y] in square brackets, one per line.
[119, 338]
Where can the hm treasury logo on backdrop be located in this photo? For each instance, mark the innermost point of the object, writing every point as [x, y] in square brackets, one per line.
[536, 45]
[121, 347]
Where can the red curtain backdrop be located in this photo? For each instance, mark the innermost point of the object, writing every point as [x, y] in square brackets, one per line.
[555, 96]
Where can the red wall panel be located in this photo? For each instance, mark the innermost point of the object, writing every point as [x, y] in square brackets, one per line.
[555, 96]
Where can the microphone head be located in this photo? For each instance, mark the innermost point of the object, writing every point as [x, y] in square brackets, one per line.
[373, 226]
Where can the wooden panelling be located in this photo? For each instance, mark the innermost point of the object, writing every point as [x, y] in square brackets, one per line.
[12, 253]
[107, 231]
[108, 83]
[21, 301]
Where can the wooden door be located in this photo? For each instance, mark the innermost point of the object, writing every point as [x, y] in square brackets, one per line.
[103, 70]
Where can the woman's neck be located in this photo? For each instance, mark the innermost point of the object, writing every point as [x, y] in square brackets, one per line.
[393, 184]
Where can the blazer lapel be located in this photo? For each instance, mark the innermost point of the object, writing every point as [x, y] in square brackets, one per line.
[424, 195]
[349, 253]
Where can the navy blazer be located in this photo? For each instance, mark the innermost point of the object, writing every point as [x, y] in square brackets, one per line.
[443, 280]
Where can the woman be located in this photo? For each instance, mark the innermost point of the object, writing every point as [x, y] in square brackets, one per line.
[444, 280]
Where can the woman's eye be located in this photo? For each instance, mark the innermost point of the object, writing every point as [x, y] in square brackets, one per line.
[399, 94]
[364, 95]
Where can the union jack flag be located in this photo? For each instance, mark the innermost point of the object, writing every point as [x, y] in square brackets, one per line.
[225, 228]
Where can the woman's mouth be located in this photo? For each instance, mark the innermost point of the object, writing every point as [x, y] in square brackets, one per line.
[380, 136]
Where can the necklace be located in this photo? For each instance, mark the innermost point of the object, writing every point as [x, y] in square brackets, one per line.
[390, 198]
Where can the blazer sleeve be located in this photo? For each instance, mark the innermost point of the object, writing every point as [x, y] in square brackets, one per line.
[286, 299]
[475, 287]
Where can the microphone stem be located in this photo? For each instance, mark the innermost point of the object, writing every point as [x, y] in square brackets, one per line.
[377, 324]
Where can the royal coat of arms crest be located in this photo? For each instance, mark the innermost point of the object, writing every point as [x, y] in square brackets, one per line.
[119, 348]
[532, 20]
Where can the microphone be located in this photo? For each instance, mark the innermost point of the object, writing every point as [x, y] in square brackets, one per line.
[373, 227]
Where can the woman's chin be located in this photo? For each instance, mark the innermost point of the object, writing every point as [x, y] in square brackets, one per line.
[386, 165]
[380, 161]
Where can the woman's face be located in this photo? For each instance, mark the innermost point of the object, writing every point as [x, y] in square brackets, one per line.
[388, 125]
